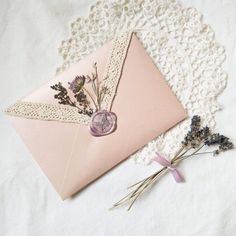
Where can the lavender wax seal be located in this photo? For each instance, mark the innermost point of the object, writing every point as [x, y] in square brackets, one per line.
[102, 123]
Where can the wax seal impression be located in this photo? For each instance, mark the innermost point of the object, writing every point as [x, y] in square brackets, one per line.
[103, 123]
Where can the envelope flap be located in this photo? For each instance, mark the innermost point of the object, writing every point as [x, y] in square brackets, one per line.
[40, 104]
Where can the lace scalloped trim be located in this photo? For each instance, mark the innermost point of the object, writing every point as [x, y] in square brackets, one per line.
[114, 67]
[65, 113]
[42, 111]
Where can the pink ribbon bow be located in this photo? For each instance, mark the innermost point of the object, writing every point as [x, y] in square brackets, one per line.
[162, 161]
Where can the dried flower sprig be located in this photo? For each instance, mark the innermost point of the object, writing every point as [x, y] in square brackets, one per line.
[81, 93]
[65, 99]
[98, 87]
[194, 141]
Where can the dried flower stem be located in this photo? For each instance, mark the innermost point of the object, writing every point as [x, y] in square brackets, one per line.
[146, 183]
[176, 155]
[194, 141]
[93, 100]
[192, 154]
[200, 153]
[95, 87]
[98, 88]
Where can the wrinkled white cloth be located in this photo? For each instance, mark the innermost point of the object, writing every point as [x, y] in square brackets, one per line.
[30, 33]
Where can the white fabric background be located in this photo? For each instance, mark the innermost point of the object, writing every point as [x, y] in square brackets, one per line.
[30, 33]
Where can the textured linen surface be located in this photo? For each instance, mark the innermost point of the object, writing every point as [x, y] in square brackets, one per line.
[30, 33]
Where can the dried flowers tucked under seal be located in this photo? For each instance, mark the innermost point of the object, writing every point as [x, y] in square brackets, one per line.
[195, 140]
[103, 122]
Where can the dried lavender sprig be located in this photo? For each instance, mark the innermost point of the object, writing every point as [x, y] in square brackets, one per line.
[149, 181]
[141, 183]
[132, 194]
[195, 139]
[65, 99]
[222, 141]
[63, 96]
[146, 186]
[176, 155]
[175, 160]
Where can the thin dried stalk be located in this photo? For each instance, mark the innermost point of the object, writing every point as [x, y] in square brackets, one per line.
[91, 96]
[196, 138]
[146, 183]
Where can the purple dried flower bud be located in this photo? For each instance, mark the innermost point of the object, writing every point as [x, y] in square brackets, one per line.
[77, 84]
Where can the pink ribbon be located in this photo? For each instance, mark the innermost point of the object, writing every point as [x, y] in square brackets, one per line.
[164, 162]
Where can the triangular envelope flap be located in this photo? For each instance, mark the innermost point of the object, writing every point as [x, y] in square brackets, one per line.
[145, 107]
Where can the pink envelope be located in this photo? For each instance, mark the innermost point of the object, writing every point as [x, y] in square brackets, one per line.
[59, 139]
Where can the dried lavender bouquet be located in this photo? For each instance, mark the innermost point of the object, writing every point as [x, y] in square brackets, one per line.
[195, 140]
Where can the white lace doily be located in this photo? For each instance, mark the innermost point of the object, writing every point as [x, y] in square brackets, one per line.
[178, 41]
